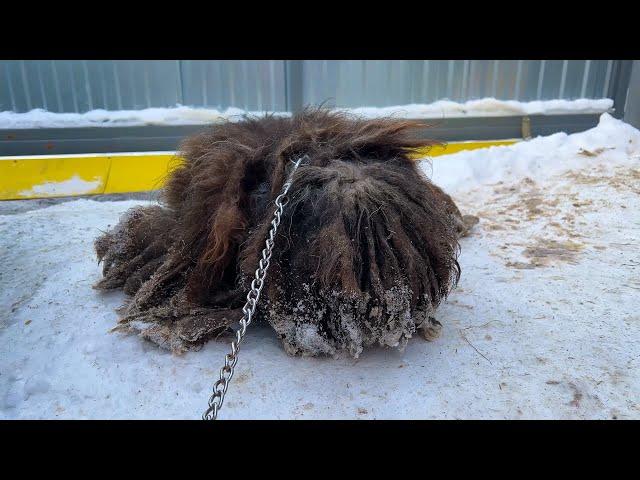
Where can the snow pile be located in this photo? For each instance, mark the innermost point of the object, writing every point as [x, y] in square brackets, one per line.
[486, 107]
[536, 157]
[181, 115]
[544, 322]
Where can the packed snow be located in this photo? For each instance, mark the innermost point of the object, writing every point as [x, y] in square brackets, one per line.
[182, 115]
[545, 322]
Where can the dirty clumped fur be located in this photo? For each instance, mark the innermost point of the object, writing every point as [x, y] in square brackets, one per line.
[365, 252]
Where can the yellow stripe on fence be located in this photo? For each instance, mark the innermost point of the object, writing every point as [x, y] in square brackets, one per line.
[455, 147]
[70, 175]
[46, 176]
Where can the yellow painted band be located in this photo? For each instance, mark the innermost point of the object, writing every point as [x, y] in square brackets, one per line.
[70, 175]
[46, 176]
[455, 147]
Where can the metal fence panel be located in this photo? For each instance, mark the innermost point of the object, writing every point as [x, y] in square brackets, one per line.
[355, 83]
[83, 85]
[245, 84]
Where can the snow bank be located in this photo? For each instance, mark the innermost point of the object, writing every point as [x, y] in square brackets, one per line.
[540, 157]
[182, 115]
[486, 107]
[544, 322]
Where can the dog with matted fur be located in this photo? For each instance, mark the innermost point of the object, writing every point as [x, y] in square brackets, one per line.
[365, 252]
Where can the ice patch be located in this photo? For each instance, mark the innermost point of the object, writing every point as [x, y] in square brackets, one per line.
[35, 385]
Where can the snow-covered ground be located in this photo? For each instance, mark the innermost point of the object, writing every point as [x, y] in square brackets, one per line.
[545, 322]
[181, 115]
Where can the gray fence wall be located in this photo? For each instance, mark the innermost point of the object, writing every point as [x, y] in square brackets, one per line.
[83, 85]
[382, 83]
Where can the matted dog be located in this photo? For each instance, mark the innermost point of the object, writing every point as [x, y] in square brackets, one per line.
[366, 250]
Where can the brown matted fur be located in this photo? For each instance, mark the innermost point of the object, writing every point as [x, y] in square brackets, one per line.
[366, 250]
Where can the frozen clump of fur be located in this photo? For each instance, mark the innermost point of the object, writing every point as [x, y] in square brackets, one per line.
[366, 250]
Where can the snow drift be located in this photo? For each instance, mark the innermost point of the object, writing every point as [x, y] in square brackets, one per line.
[182, 115]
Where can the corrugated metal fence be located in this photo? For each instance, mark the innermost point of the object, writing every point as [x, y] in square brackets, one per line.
[83, 85]
[382, 83]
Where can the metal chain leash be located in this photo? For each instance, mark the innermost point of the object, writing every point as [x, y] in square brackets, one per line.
[226, 372]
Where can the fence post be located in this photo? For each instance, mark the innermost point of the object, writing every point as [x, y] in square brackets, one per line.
[632, 106]
[619, 85]
[180, 83]
[293, 85]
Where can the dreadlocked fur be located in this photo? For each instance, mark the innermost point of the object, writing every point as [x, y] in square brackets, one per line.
[365, 252]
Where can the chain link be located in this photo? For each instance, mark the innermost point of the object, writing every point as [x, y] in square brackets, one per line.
[226, 372]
